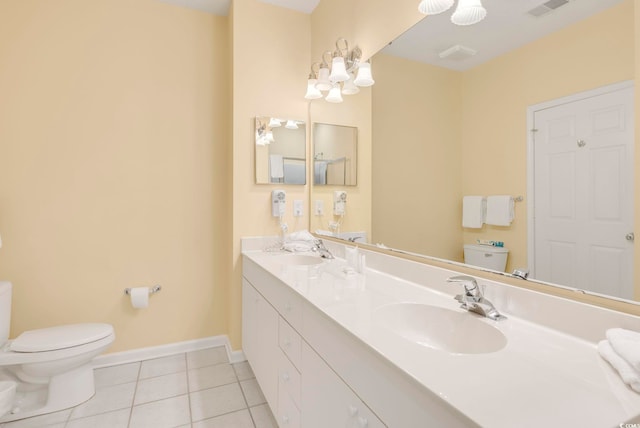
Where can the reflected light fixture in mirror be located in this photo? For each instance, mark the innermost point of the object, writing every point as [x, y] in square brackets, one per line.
[335, 74]
[468, 12]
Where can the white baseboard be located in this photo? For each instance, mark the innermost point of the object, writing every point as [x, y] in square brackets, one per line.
[151, 352]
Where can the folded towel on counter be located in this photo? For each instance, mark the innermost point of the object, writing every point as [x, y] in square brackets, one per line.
[500, 210]
[473, 211]
[299, 241]
[629, 375]
[626, 343]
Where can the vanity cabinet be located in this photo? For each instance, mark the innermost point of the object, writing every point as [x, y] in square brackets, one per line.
[314, 374]
[327, 400]
[260, 339]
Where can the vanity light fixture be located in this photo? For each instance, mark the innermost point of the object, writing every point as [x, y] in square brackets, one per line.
[313, 93]
[468, 12]
[334, 95]
[336, 73]
[434, 7]
[264, 136]
[291, 124]
[274, 123]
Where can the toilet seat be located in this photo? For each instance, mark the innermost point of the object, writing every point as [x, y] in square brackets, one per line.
[60, 337]
[10, 357]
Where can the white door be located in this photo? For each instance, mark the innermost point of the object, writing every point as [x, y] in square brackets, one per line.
[583, 193]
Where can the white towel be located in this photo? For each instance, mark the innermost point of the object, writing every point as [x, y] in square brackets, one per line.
[628, 374]
[276, 166]
[626, 343]
[473, 209]
[500, 210]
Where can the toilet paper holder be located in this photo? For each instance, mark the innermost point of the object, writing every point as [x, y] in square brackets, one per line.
[152, 290]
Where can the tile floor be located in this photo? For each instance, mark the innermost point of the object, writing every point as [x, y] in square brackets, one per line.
[194, 390]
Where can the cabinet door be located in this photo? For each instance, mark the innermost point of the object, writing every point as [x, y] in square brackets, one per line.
[327, 401]
[260, 341]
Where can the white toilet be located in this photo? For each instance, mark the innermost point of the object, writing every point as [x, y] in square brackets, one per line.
[51, 367]
[486, 256]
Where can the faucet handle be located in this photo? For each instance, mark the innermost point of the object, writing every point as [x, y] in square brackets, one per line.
[470, 285]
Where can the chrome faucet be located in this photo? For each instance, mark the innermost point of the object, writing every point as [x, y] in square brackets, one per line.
[321, 249]
[473, 299]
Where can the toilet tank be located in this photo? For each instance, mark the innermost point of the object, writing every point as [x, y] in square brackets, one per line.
[486, 256]
[5, 311]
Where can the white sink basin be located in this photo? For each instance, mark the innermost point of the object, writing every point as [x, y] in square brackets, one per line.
[298, 259]
[441, 328]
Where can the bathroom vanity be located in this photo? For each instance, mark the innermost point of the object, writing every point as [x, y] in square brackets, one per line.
[331, 347]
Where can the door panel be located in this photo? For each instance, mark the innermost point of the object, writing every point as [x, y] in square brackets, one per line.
[583, 193]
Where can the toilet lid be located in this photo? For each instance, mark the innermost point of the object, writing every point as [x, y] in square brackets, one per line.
[64, 336]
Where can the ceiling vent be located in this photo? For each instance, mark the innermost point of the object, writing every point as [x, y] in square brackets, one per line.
[457, 52]
[547, 7]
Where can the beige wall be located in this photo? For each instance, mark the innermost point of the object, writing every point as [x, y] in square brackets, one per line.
[113, 147]
[487, 152]
[271, 63]
[416, 157]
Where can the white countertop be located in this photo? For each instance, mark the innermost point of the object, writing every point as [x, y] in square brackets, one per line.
[543, 377]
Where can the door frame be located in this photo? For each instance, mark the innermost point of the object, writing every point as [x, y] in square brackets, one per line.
[531, 111]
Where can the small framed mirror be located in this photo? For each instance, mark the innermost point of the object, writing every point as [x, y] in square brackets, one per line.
[280, 148]
[335, 155]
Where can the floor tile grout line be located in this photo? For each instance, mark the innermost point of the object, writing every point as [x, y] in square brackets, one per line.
[244, 396]
[135, 391]
[186, 373]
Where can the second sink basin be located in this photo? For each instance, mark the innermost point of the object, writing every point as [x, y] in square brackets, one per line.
[441, 328]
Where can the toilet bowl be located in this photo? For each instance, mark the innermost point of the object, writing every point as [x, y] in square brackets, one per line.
[51, 366]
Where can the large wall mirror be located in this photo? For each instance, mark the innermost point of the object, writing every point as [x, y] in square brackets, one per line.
[335, 151]
[446, 126]
[280, 151]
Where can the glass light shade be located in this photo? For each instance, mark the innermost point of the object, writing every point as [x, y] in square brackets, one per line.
[291, 124]
[349, 88]
[274, 123]
[269, 138]
[434, 7]
[313, 93]
[323, 83]
[334, 95]
[338, 70]
[468, 12]
[364, 77]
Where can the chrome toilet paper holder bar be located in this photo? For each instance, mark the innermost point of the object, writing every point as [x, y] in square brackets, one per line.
[152, 290]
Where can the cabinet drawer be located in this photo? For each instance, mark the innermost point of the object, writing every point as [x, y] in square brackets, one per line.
[286, 301]
[288, 380]
[290, 342]
[327, 401]
[288, 413]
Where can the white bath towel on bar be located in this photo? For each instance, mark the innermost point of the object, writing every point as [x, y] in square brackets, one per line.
[500, 210]
[276, 166]
[473, 209]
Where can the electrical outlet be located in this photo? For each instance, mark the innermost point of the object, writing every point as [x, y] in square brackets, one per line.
[319, 207]
[297, 207]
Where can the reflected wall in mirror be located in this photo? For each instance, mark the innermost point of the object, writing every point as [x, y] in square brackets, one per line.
[280, 151]
[335, 151]
[442, 131]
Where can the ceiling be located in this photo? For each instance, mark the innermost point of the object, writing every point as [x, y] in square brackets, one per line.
[221, 7]
[506, 27]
